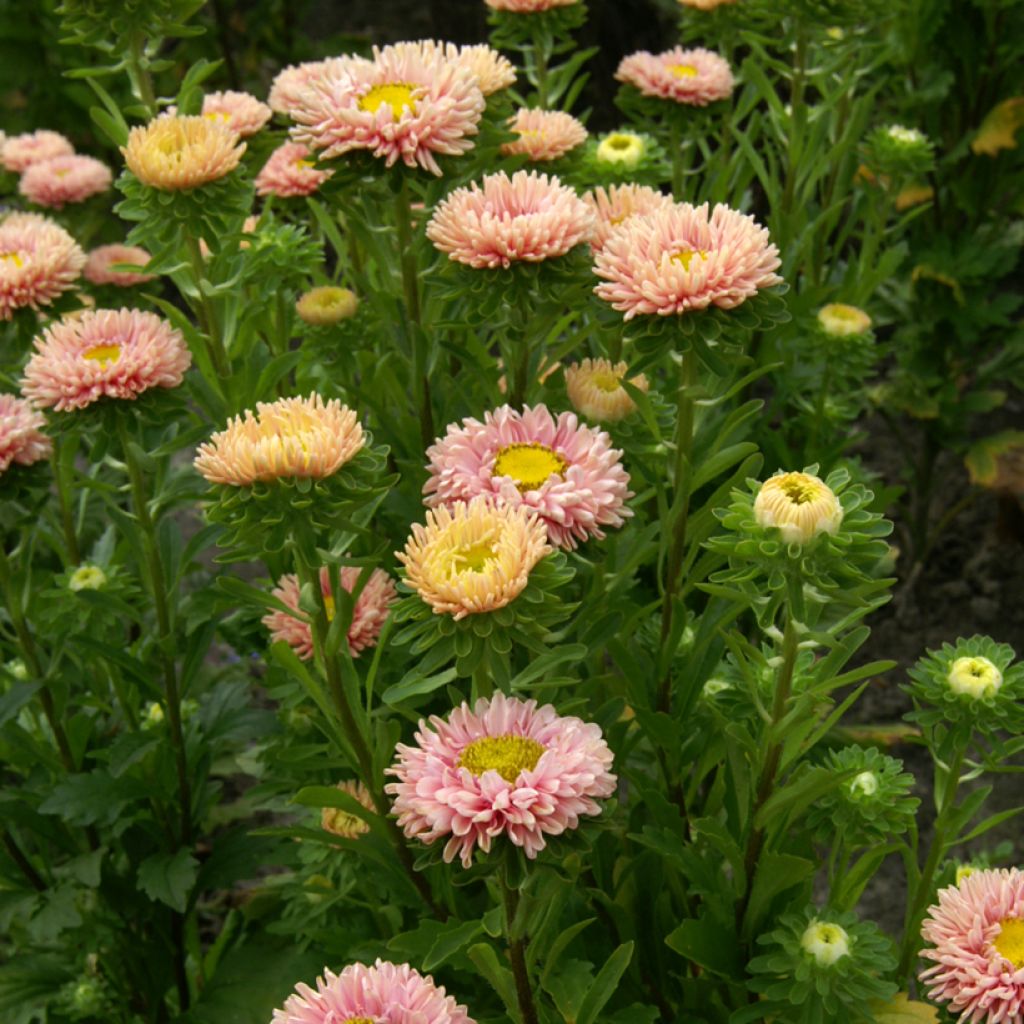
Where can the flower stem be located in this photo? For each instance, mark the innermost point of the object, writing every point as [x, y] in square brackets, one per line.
[165, 637]
[540, 72]
[142, 82]
[517, 953]
[681, 501]
[66, 518]
[211, 334]
[413, 310]
[675, 148]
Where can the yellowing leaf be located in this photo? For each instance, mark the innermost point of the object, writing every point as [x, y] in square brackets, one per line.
[999, 129]
[901, 1009]
[997, 461]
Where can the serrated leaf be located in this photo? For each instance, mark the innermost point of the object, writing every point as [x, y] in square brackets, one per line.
[169, 877]
[901, 1009]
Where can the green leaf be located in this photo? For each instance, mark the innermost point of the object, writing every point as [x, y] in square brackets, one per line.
[15, 699]
[775, 873]
[169, 877]
[448, 944]
[90, 798]
[499, 978]
[415, 685]
[708, 944]
[605, 984]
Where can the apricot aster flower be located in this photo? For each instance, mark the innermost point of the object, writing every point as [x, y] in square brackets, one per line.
[492, 71]
[595, 389]
[290, 171]
[694, 77]
[566, 472]
[177, 153]
[64, 179]
[618, 203]
[504, 768]
[368, 616]
[544, 134]
[408, 104]
[679, 258]
[104, 353]
[502, 220]
[528, 6]
[287, 88]
[343, 823]
[291, 437]
[243, 114]
[19, 152]
[705, 5]
[326, 305]
[102, 259]
[976, 937]
[21, 433]
[800, 505]
[380, 994]
[38, 261]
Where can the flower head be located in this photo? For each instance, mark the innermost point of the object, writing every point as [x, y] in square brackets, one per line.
[98, 267]
[492, 70]
[368, 616]
[705, 5]
[242, 113]
[326, 305]
[528, 217]
[840, 321]
[800, 505]
[678, 258]
[473, 557]
[595, 389]
[976, 940]
[826, 942]
[566, 472]
[694, 77]
[408, 104]
[38, 261]
[64, 179]
[292, 437]
[974, 677]
[19, 152]
[544, 134]
[618, 204]
[340, 822]
[87, 577]
[381, 993]
[290, 171]
[287, 88]
[623, 149]
[505, 767]
[177, 153]
[528, 6]
[21, 433]
[104, 353]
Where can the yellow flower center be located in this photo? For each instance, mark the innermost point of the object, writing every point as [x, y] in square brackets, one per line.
[826, 942]
[358, 1020]
[14, 258]
[397, 96]
[506, 755]
[103, 354]
[799, 492]
[976, 677]
[217, 115]
[1009, 943]
[621, 141]
[606, 381]
[685, 257]
[529, 465]
[62, 173]
[302, 163]
[472, 559]
[683, 70]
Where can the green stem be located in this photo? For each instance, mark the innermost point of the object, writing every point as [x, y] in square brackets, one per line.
[165, 633]
[26, 867]
[29, 651]
[922, 895]
[66, 518]
[517, 953]
[681, 479]
[142, 82]
[770, 768]
[675, 147]
[797, 117]
[413, 310]
[211, 333]
[819, 409]
[540, 72]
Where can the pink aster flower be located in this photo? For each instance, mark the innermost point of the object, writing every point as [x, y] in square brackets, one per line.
[104, 353]
[64, 179]
[528, 217]
[678, 258]
[544, 134]
[385, 993]
[21, 433]
[290, 171]
[506, 767]
[528, 6]
[19, 152]
[368, 616]
[408, 104]
[243, 114]
[695, 77]
[38, 261]
[977, 935]
[287, 88]
[567, 473]
[98, 267]
[619, 203]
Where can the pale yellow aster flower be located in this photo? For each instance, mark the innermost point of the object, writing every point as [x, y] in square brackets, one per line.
[473, 557]
[596, 392]
[974, 677]
[800, 505]
[87, 577]
[178, 153]
[623, 148]
[326, 305]
[841, 320]
[826, 942]
[291, 437]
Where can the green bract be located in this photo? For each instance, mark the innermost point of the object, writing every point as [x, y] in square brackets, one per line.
[799, 988]
[899, 152]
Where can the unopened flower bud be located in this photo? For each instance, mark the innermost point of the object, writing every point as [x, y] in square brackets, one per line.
[327, 305]
[800, 505]
[826, 942]
[87, 577]
[975, 677]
